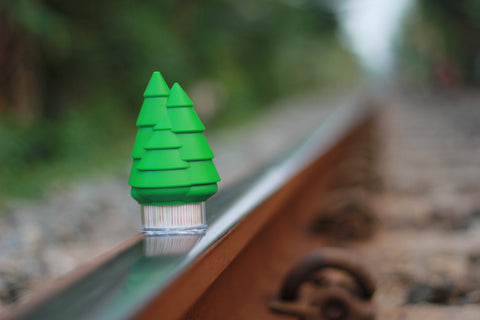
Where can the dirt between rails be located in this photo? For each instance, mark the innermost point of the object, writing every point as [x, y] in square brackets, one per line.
[425, 253]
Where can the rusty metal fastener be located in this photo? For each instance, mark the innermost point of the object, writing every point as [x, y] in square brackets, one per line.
[328, 300]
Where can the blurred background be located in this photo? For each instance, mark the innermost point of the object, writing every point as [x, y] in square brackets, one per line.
[72, 76]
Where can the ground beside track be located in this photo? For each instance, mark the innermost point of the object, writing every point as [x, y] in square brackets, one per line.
[426, 253]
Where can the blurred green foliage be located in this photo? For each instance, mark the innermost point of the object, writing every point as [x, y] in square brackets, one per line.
[48, 152]
[441, 43]
[93, 61]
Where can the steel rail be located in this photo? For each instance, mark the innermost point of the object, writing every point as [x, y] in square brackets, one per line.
[144, 271]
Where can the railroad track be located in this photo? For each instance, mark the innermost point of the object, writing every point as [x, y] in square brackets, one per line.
[258, 231]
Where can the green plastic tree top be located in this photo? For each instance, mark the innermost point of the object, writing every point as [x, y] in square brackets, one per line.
[172, 161]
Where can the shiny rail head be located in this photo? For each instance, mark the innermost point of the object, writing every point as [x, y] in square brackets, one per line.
[189, 218]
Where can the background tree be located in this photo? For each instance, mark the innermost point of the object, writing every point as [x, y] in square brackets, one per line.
[441, 45]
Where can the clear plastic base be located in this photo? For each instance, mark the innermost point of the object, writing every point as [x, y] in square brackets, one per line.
[174, 219]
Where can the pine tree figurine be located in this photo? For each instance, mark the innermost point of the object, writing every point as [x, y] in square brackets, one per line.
[172, 172]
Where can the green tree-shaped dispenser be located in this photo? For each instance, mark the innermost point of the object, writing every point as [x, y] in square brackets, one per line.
[194, 148]
[172, 173]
